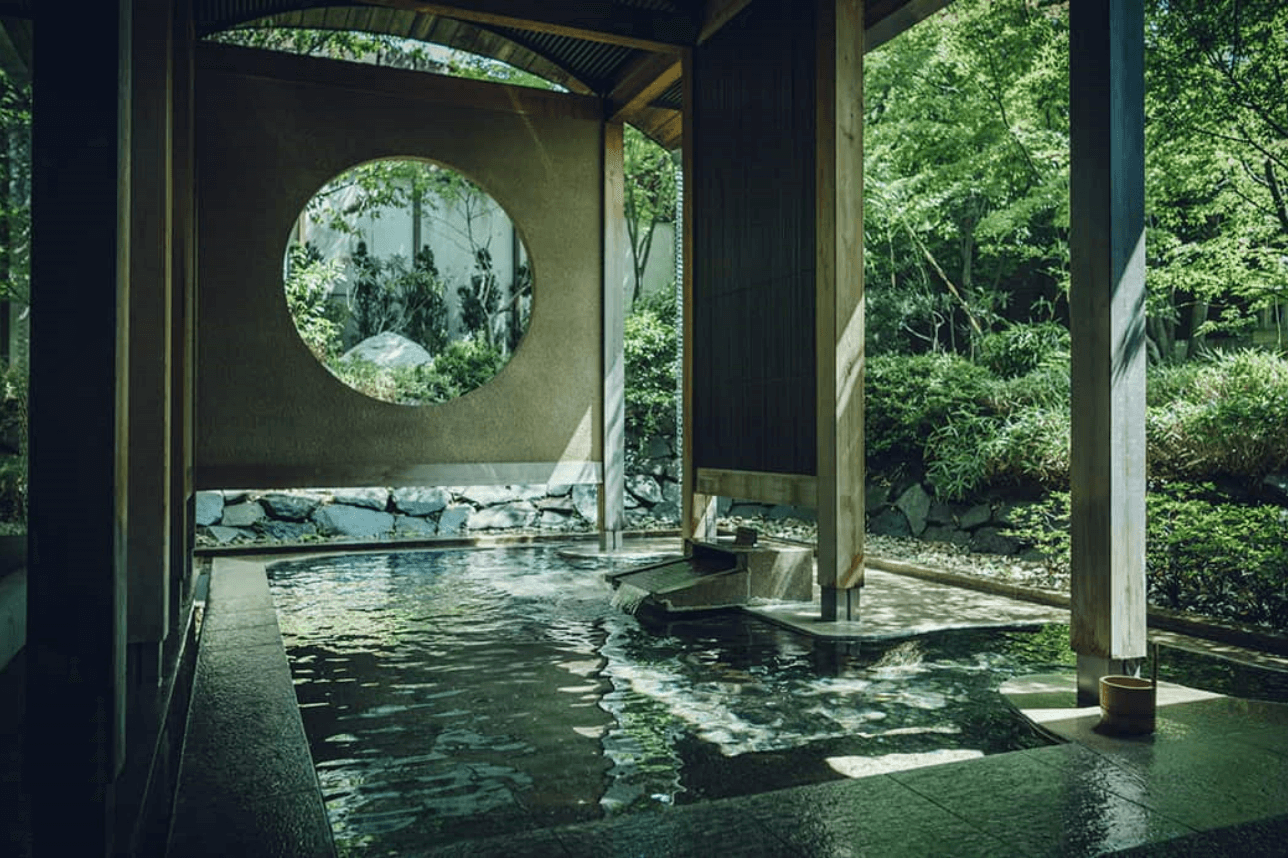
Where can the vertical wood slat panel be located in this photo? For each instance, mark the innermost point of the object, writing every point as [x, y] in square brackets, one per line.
[754, 244]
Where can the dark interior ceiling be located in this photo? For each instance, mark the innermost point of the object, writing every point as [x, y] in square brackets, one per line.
[627, 52]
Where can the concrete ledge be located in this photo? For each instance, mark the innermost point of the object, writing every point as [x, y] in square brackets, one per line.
[246, 782]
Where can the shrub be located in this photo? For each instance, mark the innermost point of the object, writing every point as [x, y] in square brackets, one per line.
[652, 368]
[1227, 418]
[1022, 348]
[1029, 446]
[909, 397]
[1202, 554]
[13, 444]
[309, 284]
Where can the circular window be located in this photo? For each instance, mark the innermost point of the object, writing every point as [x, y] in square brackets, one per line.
[407, 281]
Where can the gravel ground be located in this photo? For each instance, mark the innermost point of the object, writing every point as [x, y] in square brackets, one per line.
[935, 555]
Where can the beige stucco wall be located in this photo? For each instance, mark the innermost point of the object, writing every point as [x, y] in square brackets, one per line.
[268, 415]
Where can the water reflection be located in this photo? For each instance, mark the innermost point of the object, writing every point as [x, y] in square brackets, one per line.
[457, 694]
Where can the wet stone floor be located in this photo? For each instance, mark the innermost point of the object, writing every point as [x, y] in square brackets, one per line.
[455, 695]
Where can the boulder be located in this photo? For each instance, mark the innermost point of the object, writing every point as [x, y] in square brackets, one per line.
[560, 504]
[558, 490]
[977, 515]
[359, 522]
[585, 500]
[286, 531]
[290, 507]
[945, 533]
[488, 495]
[388, 351]
[454, 518]
[224, 535]
[1276, 488]
[889, 522]
[940, 513]
[875, 495]
[990, 540]
[243, 514]
[552, 520]
[210, 508]
[914, 503]
[370, 498]
[504, 516]
[420, 500]
[408, 525]
[669, 508]
[659, 448]
[645, 488]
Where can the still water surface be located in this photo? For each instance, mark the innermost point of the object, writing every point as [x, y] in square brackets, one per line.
[465, 693]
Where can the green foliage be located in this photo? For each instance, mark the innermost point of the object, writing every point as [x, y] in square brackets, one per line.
[649, 199]
[1203, 553]
[309, 285]
[13, 444]
[909, 397]
[1019, 349]
[1227, 418]
[463, 365]
[652, 368]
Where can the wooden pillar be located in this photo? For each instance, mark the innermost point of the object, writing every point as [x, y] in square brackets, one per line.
[1107, 321]
[698, 513]
[612, 487]
[75, 725]
[183, 278]
[839, 305]
[148, 541]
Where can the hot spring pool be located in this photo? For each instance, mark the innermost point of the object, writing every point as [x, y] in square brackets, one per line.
[470, 692]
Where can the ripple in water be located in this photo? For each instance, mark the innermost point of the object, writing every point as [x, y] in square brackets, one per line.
[466, 693]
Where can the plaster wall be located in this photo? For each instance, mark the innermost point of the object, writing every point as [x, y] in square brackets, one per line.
[270, 132]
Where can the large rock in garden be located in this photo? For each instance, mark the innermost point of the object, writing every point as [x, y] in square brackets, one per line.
[405, 525]
[977, 515]
[287, 531]
[1276, 488]
[243, 514]
[353, 521]
[889, 522]
[914, 503]
[517, 514]
[875, 496]
[210, 508]
[418, 500]
[224, 535]
[645, 488]
[371, 498]
[940, 513]
[561, 504]
[990, 540]
[290, 507]
[389, 351]
[552, 520]
[454, 519]
[670, 506]
[585, 499]
[488, 495]
[945, 533]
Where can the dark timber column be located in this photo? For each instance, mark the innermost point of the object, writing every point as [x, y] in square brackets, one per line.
[80, 274]
[612, 487]
[698, 515]
[1107, 307]
[148, 547]
[839, 305]
[183, 319]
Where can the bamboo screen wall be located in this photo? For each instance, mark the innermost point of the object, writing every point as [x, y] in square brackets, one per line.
[754, 248]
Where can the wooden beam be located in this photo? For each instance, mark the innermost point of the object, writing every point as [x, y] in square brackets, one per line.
[592, 20]
[717, 14]
[642, 82]
[438, 89]
[792, 489]
[839, 303]
[885, 20]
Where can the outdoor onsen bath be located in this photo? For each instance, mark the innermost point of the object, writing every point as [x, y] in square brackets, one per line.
[460, 693]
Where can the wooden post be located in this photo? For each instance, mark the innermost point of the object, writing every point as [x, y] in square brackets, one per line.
[839, 305]
[698, 515]
[183, 259]
[148, 546]
[76, 683]
[1107, 321]
[612, 488]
